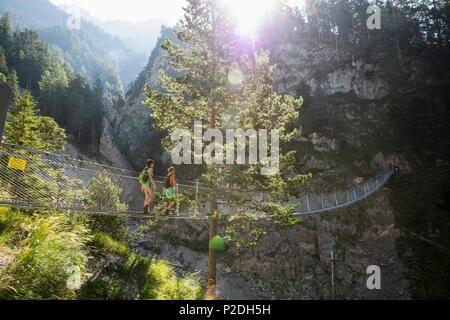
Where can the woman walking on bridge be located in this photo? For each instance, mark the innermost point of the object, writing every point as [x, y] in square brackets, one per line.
[148, 184]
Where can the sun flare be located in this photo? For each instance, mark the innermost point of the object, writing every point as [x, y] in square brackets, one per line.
[248, 14]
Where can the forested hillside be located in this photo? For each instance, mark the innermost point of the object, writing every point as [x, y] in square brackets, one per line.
[89, 50]
[141, 37]
[26, 62]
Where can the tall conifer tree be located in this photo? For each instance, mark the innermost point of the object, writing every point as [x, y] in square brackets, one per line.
[227, 87]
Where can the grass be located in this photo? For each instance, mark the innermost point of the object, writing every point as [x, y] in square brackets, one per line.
[103, 243]
[155, 279]
[47, 246]
[40, 247]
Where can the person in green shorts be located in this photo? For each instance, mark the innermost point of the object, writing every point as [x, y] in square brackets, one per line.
[170, 187]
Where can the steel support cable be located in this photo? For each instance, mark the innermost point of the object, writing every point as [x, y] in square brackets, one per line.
[422, 177]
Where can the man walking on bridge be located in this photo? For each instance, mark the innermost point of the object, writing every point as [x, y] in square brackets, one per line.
[148, 184]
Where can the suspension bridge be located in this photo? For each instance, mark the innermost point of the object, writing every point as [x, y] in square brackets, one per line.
[34, 179]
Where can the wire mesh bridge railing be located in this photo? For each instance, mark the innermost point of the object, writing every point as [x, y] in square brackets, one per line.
[316, 203]
[35, 179]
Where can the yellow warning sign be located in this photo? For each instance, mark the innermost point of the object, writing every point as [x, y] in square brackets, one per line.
[15, 163]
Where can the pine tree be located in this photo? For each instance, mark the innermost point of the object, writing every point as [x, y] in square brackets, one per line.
[210, 91]
[97, 110]
[6, 32]
[23, 127]
[3, 63]
[28, 129]
[54, 82]
[52, 136]
[13, 81]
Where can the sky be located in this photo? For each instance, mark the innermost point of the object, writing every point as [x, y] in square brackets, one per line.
[169, 11]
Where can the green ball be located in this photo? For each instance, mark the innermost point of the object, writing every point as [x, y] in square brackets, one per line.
[217, 244]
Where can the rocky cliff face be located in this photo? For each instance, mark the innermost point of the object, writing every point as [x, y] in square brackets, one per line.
[296, 264]
[131, 124]
[321, 69]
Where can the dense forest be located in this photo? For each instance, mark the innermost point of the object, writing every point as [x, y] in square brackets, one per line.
[26, 62]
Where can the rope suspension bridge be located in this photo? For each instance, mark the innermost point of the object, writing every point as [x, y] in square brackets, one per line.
[34, 179]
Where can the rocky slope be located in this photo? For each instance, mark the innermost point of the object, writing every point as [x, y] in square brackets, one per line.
[130, 124]
[295, 263]
[187, 261]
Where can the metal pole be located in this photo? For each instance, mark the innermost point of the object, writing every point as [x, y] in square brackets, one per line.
[5, 98]
[332, 274]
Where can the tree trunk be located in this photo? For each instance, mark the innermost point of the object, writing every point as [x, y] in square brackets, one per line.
[437, 22]
[397, 40]
[212, 221]
[213, 202]
[79, 133]
[337, 46]
[94, 138]
[212, 251]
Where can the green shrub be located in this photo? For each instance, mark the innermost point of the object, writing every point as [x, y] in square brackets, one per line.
[103, 194]
[103, 289]
[115, 226]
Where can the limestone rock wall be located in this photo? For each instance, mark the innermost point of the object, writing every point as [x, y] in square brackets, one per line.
[295, 263]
